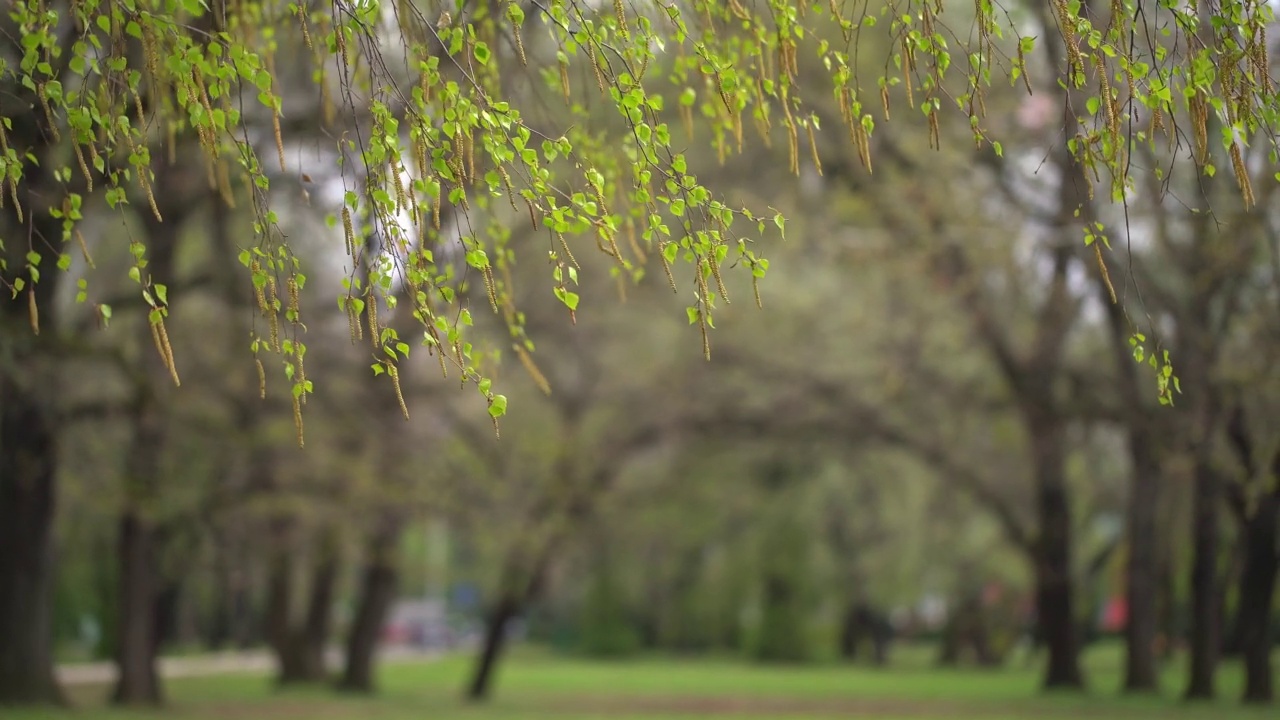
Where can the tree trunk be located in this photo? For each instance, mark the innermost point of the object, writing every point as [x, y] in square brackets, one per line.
[522, 579]
[377, 592]
[169, 618]
[279, 625]
[1054, 587]
[1141, 617]
[28, 421]
[1205, 617]
[314, 635]
[1257, 587]
[495, 638]
[28, 461]
[300, 648]
[138, 682]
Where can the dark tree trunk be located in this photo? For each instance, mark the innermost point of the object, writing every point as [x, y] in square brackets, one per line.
[1054, 587]
[314, 637]
[217, 628]
[1142, 572]
[279, 602]
[138, 681]
[1170, 633]
[1257, 588]
[495, 638]
[300, 649]
[1205, 616]
[28, 457]
[28, 420]
[377, 591]
[522, 579]
[28, 435]
[861, 621]
[851, 633]
[169, 626]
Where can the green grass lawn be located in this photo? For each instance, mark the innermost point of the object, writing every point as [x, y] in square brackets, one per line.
[535, 684]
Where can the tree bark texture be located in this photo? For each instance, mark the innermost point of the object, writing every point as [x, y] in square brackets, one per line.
[1054, 586]
[300, 646]
[1141, 672]
[138, 682]
[28, 424]
[1257, 590]
[138, 679]
[495, 638]
[377, 592]
[1205, 633]
[28, 463]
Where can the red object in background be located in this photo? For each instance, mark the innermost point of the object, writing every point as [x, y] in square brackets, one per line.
[1115, 615]
[992, 593]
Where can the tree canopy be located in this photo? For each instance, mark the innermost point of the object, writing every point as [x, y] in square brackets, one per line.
[434, 116]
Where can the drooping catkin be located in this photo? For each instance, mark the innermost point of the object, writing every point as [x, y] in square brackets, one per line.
[291, 287]
[371, 308]
[470, 144]
[564, 79]
[595, 65]
[33, 310]
[167, 353]
[519, 45]
[506, 181]
[348, 231]
[275, 129]
[491, 287]
[224, 186]
[306, 34]
[262, 378]
[532, 368]
[1242, 175]
[813, 148]
[297, 419]
[155, 338]
[353, 323]
[395, 383]
[273, 323]
[636, 250]
[1102, 268]
[706, 339]
[666, 267]
[402, 201]
[339, 32]
[48, 112]
[84, 166]
[1199, 126]
[567, 251]
[84, 249]
[255, 268]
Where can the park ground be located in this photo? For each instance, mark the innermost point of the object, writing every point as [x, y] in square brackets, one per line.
[537, 684]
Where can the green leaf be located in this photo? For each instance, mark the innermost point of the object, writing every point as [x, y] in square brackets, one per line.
[498, 406]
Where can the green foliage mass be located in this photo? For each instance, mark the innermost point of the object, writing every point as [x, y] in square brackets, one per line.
[432, 111]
